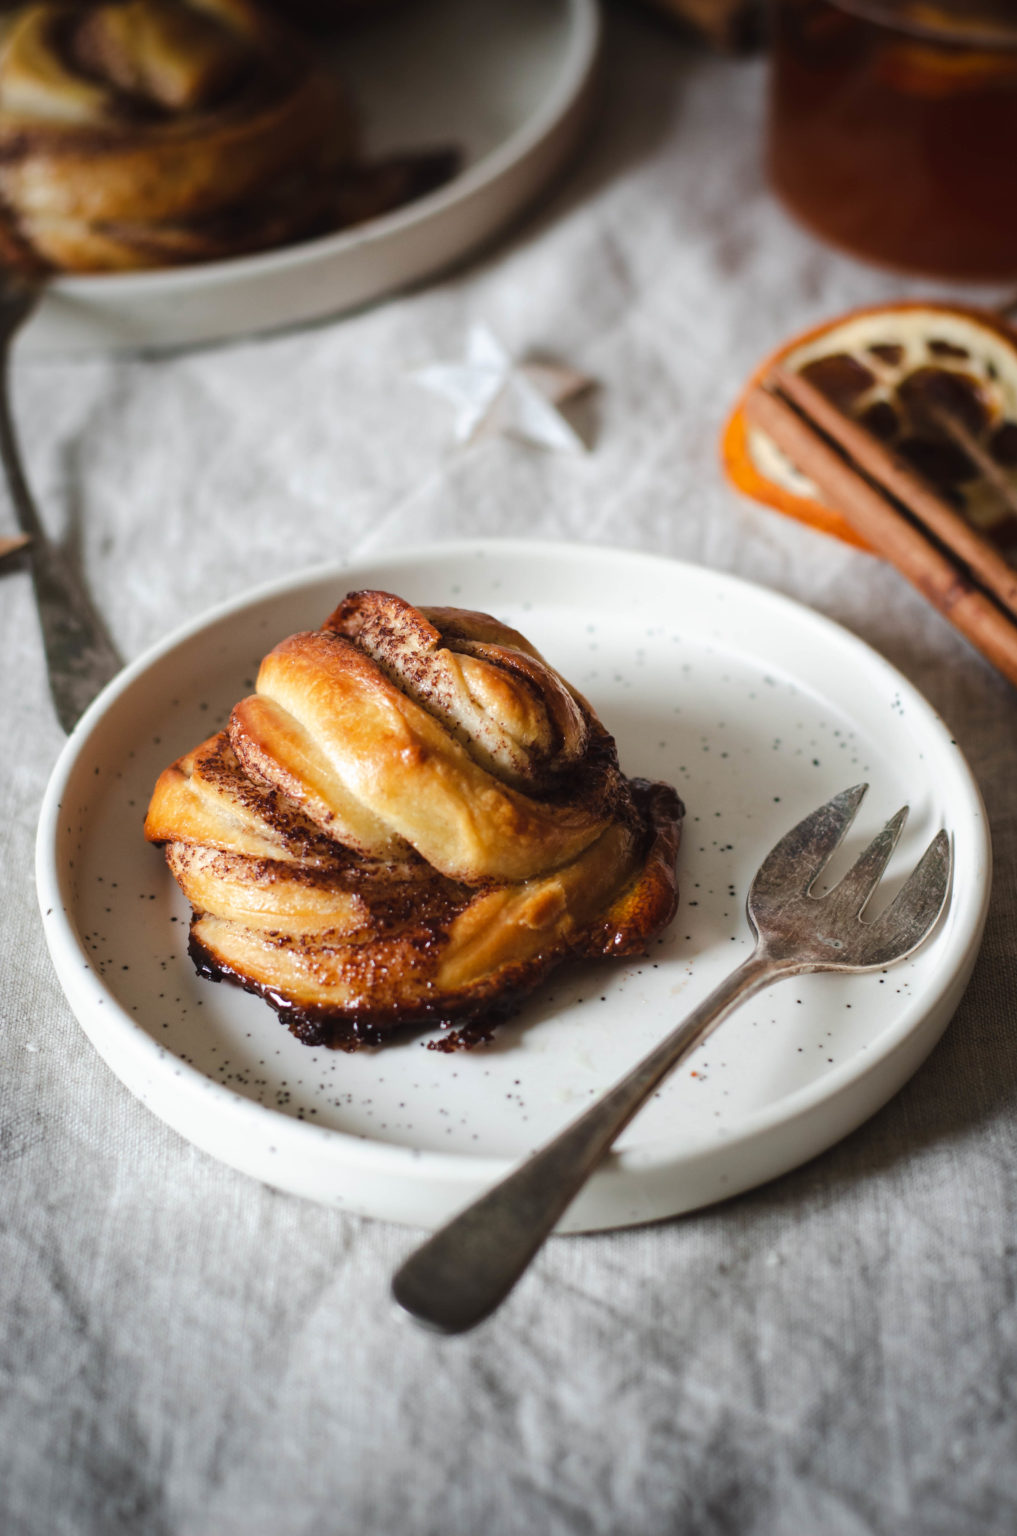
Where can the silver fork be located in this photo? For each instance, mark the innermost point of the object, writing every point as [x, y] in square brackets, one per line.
[466, 1269]
[80, 657]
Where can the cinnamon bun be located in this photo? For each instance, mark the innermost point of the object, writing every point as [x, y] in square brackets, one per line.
[411, 821]
[148, 133]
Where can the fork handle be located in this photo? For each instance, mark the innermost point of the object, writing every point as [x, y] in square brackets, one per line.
[80, 656]
[458, 1276]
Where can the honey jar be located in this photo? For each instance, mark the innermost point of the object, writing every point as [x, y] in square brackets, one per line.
[893, 130]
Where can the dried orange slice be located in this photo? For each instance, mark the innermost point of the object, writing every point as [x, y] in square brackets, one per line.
[900, 369]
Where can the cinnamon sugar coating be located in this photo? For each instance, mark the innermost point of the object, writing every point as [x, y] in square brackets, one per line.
[411, 822]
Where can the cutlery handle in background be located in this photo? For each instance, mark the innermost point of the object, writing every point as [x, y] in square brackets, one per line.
[461, 1274]
[80, 656]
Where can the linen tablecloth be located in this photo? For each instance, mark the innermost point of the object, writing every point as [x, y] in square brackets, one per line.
[183, 1351]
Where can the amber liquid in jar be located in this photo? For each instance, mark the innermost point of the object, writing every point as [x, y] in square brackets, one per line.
[898, 141]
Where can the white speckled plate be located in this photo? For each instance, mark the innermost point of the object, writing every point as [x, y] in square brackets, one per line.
[506, 81]
[756, 708]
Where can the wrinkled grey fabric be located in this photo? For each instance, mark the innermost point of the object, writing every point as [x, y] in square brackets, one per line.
[186, 1353]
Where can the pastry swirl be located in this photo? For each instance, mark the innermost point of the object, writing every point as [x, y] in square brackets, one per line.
[150, 132]
[412, 820]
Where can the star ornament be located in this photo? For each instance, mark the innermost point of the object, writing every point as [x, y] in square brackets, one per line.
[495, 396]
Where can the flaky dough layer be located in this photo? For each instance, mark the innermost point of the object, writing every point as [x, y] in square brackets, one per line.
[411, 821]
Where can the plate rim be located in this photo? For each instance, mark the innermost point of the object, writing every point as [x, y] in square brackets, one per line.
[72, 961]
[584, 29]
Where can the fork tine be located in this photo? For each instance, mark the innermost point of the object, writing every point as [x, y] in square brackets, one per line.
[798, 859]
[851, 894]
[915, 908]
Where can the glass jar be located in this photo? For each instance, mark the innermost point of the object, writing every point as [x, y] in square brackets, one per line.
[893, 129]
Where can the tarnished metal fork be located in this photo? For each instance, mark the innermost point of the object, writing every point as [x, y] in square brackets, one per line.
[465, 1270]
[80, 656]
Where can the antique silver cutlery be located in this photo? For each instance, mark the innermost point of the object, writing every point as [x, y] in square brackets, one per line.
[80, 657]
[465, 1270]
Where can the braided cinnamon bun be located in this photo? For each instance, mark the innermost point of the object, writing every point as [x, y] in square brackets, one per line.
[410, 822]
[152, 132]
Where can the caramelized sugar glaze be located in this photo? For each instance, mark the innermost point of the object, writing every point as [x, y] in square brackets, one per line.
[410, 823]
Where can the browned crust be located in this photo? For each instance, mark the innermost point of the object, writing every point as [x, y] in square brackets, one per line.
[644, 905]
[350, 945]
[329, 723]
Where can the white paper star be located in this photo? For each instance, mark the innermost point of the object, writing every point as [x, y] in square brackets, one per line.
[493, 394]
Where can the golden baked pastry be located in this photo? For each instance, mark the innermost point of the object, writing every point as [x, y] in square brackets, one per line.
[152, 132]
[411, 821]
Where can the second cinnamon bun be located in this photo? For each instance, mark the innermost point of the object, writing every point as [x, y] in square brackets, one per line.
[152, 132]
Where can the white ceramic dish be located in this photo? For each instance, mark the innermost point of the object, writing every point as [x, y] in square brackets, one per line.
[508, 81]
[756, 708]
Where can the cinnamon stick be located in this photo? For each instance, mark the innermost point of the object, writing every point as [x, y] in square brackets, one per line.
[941, 579]
[985, 562]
